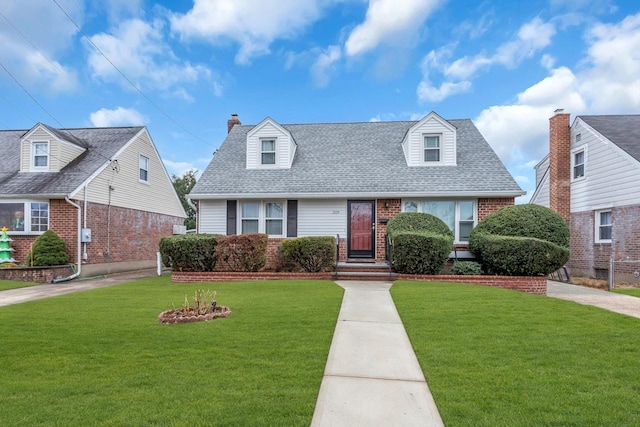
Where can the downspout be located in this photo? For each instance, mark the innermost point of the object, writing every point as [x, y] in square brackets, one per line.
[84, 222]
[77, 273]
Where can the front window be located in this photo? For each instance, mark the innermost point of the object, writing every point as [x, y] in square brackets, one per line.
[578, 164]
[432, 148]
[268, 151]
[459, 215]
[24, 217]
[262, 217]
[604, 226]
[40, 152]
[144, 169]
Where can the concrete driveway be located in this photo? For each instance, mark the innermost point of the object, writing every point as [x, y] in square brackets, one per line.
[623, 304]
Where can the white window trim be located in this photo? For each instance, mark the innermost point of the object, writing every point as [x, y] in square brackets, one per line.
[596, 230]
[33, 156]
[424, 148]
[261, 152]
[142, 156]
[262, 216]
[27, 217]
[575, 151]
[457, 213]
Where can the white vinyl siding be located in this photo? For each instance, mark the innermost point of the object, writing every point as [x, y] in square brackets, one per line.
[212, 217]
[612, 175]
[322, 218]
[284, 150]
[128, 191]
[61, 153]
[414, 143]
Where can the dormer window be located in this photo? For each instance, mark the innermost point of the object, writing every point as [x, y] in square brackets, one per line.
[40, 154]
[268, 151]
[432, 148]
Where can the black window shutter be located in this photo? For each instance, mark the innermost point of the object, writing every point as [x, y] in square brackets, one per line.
[232, 213]
[292, 218]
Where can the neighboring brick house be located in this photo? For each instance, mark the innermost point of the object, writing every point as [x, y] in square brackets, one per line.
[105, 191]
[348, 179]
[591, 177]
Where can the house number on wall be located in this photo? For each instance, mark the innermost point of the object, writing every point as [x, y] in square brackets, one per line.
[336, 212]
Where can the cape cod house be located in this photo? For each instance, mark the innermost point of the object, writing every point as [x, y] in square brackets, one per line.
[348, 179]
[104, 191]
[591, 178]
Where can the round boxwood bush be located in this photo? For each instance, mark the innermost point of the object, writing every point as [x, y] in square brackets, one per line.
[421, 243]
[47, 250]
[521, 240]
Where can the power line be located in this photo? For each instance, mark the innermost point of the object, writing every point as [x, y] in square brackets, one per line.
[30, 96]
[157, 107]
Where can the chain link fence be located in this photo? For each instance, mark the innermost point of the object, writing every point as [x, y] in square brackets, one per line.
[624, 273]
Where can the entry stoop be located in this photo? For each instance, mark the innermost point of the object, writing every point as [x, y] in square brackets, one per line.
[363, 271]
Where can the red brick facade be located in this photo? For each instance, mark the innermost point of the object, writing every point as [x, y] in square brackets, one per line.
[560, 164]
[117, 234]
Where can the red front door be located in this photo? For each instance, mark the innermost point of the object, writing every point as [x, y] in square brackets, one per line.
[361, 229]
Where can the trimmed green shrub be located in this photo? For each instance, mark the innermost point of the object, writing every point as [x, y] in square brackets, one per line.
[47, 250]
[242, 252]
[416, 221]
[420, 252]
[421, 243]
[310, 254]
[526, 221]
[189, 252]
[521, 240]
[466, 268]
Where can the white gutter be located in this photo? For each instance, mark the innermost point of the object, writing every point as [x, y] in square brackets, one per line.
[77, 273]
[84, 223]
[360, 195]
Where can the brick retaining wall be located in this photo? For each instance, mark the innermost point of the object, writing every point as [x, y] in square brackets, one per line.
[35, 274]
[529, 284]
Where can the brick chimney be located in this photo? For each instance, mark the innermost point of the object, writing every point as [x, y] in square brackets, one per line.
[560, 164]
[232, 122]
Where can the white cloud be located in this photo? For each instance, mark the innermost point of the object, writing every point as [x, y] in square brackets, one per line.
[325, 64]
[457, 75]
[180, 168]
[608, 82]
[253, 24]
[389, 22]
[29, 51]
[138, 50]
[117, 117]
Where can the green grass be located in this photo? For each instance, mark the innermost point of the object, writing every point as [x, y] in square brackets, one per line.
[100, 357]
[634, 292]
[494, 357]
[12, 284]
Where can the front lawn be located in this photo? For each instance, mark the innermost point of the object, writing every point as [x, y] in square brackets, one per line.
[634, 292]
[494, 357]
[100, 357]
[13, 284]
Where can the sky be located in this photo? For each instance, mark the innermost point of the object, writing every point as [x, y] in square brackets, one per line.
[181, 68]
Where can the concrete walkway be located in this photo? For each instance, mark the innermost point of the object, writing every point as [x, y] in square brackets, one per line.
[372, 376]
[618, 303]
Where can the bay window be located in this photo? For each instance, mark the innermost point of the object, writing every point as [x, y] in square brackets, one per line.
[459, 215]
[24, 216]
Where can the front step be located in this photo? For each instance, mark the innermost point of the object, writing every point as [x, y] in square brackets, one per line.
[363, 271]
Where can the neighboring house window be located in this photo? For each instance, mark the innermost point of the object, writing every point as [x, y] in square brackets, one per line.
[144, 169]
[458, 215]
[604, 225]
[24, 217]
[431, 148]
[268, 151]
[578, 164]
[262, 217]
[40, 150]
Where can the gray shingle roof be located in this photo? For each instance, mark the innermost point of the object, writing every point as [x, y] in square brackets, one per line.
[101, 143]
[622, 130]
[356, 158]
